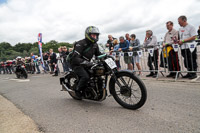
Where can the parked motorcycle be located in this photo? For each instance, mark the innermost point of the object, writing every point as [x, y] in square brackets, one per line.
[127, 89]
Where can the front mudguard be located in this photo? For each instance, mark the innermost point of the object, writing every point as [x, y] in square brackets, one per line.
[112, 79]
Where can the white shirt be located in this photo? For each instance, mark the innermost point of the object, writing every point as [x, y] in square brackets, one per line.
[152, 41]
[169, 35]
[186, 32]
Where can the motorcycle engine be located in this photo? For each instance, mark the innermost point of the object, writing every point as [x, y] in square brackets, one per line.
[99, 71]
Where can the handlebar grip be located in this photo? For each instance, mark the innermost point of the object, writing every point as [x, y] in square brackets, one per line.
[101, 56]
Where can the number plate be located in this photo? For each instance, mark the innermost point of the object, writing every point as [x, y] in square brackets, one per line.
[110, 63]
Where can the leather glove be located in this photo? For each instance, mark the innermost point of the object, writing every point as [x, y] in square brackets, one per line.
[87, 63]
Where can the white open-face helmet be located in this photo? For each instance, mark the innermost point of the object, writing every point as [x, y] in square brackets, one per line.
[18, 58]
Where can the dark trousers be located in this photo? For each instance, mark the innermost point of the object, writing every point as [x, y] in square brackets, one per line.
[190, 59]
[32, 67]
[46, 65]
[153, 60]
[27, 65]
[37, 67]
[173, 61]
[3, 69]
[133, 64]
[8, 70]
[54, 68]
[65, 66]
[83, 77]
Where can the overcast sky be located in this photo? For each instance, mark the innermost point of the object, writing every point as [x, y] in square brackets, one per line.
[66, 20]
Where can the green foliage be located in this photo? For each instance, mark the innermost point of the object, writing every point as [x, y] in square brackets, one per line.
[9, 52]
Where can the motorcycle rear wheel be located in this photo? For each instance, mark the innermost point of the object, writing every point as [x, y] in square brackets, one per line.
[71, 81]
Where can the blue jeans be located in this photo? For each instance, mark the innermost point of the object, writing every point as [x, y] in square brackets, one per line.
[37, 67]
[65, 66]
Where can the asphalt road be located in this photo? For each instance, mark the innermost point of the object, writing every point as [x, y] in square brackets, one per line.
[170, 107]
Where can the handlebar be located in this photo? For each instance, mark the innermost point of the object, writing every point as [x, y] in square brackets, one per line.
[101, 56]
[94, 66]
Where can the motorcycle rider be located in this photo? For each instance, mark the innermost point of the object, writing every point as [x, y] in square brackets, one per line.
[19, 61]
[84, 50]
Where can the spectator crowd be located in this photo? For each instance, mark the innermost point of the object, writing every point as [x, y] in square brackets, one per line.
[33, 63]
[130, 47]
[125, 45]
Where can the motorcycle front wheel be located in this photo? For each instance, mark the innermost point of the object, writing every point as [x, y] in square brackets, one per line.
[18, 75]
[128, 90]
[25, 74]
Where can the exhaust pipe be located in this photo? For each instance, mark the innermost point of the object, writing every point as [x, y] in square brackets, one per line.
[65, 88]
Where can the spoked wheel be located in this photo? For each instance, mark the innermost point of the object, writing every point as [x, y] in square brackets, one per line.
[128, 90]
[71, 81]
[25, 74]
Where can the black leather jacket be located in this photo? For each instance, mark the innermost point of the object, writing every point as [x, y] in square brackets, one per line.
[80, 53]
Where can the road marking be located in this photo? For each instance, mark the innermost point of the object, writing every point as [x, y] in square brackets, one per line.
[24, 80]
[19, 80]
[13, 79]
[36, 76]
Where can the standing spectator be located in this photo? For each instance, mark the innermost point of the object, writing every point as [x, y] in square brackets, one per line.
[127, 37]
[58, 56]
[53, 62]
[13, 65]
[198, 37]
[4, 67]
[70, 50]
[135, 46]
[116, 48]
[187, 33]
[45, 58]
[151, 41]
[1, 67]
[32, 56]
[32, 63]
[8, 67]
[110, 42]
[27, 64]
[37, 64]
[124, 46]
[173, 62]
[64, 56]
[199, 32]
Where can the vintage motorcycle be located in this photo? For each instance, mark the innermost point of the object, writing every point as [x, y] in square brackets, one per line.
[126, 88]
[21, 72]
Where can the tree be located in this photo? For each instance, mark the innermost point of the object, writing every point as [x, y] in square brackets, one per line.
[34, 51]
[7, 51]
[5, 46]
[20, 47]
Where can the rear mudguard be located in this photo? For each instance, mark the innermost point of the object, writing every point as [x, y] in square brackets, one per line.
[112, 79]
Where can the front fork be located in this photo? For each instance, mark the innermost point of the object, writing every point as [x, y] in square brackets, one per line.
[116, 80]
